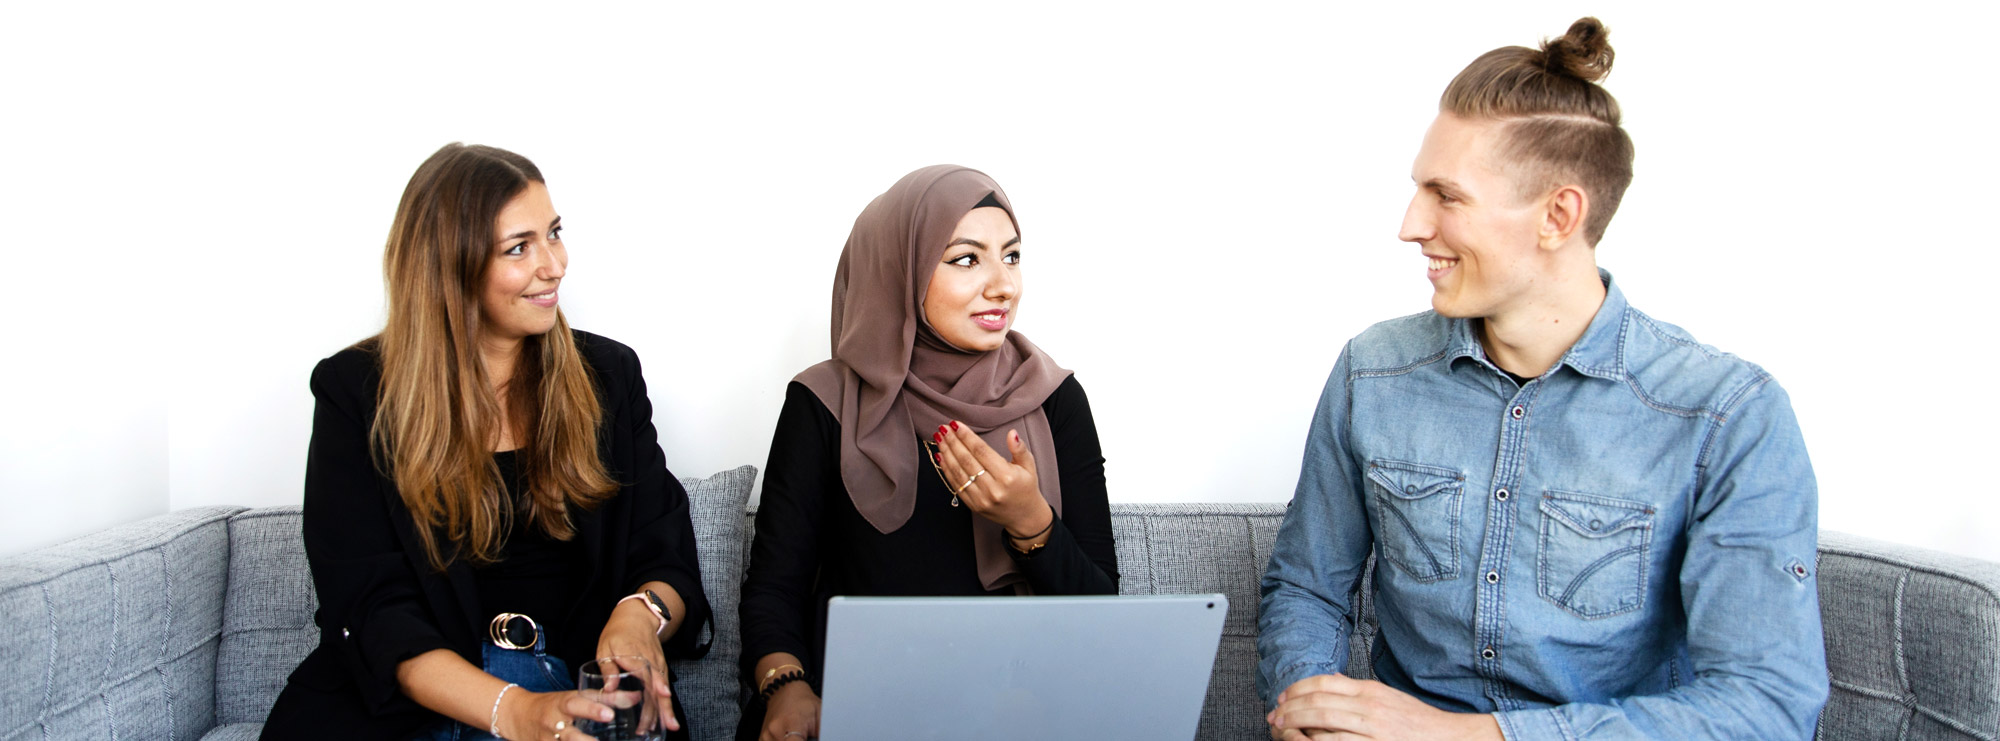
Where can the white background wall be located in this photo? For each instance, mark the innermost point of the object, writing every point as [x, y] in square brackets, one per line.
[198, 197]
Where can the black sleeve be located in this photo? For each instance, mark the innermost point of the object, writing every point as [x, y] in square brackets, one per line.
[804, 468]
[1080, 557]
[370, 600]
[661, 538]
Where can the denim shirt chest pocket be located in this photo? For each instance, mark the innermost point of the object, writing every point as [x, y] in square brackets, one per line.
[1593, 553]
[1417, 513]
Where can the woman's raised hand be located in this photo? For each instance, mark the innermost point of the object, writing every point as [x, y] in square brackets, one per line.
[1004, 491]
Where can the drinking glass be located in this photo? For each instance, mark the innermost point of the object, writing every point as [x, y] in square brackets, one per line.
[622, 683]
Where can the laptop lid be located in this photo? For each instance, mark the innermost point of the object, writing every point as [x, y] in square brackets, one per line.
[1018, 667]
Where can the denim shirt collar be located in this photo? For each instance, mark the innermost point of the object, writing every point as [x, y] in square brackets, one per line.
[1598, 353]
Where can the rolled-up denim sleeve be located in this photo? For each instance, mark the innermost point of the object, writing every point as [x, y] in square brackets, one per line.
[1305, 618]
[1748, 586]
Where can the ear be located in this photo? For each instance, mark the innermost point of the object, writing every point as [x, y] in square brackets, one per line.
[1563, 217]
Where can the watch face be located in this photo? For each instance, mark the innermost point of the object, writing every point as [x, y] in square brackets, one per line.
[659, 605]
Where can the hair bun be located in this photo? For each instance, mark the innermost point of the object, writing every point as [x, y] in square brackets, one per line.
[1584, 53]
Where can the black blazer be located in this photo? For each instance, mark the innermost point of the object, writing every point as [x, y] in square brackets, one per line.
[381, 603]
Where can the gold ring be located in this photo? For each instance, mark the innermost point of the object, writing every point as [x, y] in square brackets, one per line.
[975, 477]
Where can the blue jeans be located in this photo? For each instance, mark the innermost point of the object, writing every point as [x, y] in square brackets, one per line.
[533, 669]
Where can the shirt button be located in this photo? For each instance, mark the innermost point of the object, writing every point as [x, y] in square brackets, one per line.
[1595, 524]
[1492, 577]
[1501, 495]
[1518, 412]
[1488, 653]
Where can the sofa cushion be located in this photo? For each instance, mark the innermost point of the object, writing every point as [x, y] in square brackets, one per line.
[113, 635]
[707, 685]
[1196, 549]
[267, 620]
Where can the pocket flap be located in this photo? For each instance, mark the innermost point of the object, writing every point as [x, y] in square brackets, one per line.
[1412, 480]
[1593, 516]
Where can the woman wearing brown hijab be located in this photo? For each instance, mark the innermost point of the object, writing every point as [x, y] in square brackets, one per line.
[937, 453]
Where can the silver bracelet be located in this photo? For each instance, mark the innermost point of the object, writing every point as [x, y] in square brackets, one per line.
[493, 722]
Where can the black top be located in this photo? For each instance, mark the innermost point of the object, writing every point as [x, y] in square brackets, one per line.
[381, 603]
[534, 575]
[808, 529]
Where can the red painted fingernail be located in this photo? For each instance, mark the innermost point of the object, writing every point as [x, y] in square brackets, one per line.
[938, 459]
[954, 424]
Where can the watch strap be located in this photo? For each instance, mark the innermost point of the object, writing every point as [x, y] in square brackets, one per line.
[653, 605]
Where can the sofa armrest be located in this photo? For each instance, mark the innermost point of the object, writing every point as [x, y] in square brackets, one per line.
[114, 634]
[1912, 641]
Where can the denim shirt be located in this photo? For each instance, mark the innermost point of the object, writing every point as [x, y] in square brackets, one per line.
[1621, 548]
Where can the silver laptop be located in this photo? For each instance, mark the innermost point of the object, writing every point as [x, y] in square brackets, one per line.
[1017, 668]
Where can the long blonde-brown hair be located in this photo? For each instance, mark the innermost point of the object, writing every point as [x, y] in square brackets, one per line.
[437, 415]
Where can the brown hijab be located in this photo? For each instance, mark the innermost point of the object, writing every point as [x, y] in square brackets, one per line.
[892, 380]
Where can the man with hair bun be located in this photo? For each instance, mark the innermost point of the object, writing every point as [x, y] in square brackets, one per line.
[1585, 523]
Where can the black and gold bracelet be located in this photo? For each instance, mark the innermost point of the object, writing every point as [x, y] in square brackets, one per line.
[771, 687]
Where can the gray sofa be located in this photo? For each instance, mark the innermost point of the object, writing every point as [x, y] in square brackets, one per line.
[184, 626]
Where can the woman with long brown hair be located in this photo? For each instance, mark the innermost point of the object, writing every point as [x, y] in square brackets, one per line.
[486, 504]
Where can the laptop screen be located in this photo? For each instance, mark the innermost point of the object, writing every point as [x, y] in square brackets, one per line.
[1018, 667]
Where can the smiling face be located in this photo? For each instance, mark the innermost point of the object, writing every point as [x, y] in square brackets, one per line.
[1479, 236]
[976, 288]
[518, 297]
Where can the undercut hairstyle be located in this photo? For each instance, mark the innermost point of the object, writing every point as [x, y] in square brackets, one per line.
[437, 415]
[1560, 126]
